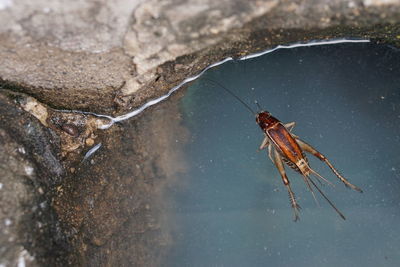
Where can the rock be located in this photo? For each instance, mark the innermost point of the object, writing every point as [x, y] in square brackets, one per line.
[29, 167]
[17, 199]
[103, 57]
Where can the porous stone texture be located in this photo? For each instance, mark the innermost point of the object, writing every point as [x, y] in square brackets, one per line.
[59, 208]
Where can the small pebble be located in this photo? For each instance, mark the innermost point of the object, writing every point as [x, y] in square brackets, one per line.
[89, 141]
[70, 129]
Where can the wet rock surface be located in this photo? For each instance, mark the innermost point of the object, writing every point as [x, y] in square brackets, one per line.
[110, 57]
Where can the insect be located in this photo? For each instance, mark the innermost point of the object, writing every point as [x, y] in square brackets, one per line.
[284, 147]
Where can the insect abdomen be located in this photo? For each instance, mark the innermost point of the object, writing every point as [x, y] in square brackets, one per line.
[301, 166]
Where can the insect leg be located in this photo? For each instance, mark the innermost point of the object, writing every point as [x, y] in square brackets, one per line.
[310, 149]
[290, 125]
[264, 143]
[281, 168]
[270, 153]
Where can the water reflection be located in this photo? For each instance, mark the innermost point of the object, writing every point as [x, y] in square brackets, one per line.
[234, 211]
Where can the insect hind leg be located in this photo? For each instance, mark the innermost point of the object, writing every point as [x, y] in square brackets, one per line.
[290, 125]
[279, 164]
[313, 151]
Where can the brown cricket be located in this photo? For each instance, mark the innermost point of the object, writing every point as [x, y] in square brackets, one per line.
[285, 147]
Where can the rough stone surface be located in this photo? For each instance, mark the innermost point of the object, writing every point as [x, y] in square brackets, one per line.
[16, 193]
[29, 166]
[76, 25]
[113, 204]
[105, 56]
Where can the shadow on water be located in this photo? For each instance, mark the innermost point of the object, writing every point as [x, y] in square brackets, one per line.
[233, 209]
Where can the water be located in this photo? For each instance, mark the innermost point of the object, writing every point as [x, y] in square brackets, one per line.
[234, 209]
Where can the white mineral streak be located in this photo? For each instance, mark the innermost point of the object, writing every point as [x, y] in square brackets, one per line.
[313, 43]
[187, 80]
[91, 151]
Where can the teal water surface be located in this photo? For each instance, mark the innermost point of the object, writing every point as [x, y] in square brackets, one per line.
[234, 209]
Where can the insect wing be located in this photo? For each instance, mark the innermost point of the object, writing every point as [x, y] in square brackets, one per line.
[285, 143]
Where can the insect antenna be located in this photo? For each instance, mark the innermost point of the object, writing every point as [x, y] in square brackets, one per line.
[327, 199]
[258, 105]
[232, 94]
